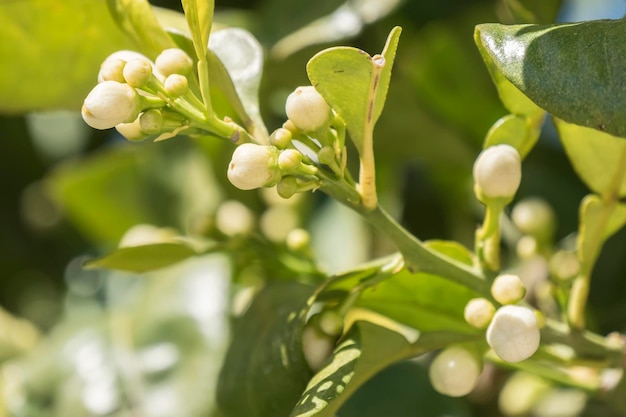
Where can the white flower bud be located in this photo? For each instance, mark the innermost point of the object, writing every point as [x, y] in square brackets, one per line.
[533, 216]
[289, 160]
[176, 85]
[112, 67]
[173, 61]
[514, 333]
[138, 72]
[479, 312]
[306, 109]
[298, 240]
[281, 138]
[497, 172]
[254, 166]
[109, 104]
[508, 289]
[454, 372]
[234, 218]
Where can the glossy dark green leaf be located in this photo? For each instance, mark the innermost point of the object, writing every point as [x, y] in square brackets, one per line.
[137, 19]
[598, 158]
[144, 258]
[355, 84]
[51, 50]
[265, 372]
[574, 71]
[364, 351]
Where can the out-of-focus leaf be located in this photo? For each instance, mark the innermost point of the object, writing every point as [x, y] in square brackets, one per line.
[17, 336]
[199, 15]
[265, 371]
[573, 71]
[346, 21]
[364, 351]
[516, 130]
[598, 220]
[598, 158]
[531, 11]
[51, 51]
[452, 250]
[242, 56]
[137, 19]
[355, 84]
[144, 258]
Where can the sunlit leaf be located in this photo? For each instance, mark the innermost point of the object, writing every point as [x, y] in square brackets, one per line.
[599, 221]
[452, 250]
[354, 84]
[364, 351]
[598, 158]
[145, 257]
[517, 131]
[573, 71]
[265, 372]
[199, 14]
[51, 51]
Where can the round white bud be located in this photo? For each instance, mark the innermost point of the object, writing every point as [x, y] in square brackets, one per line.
[533, 216]
[254, 166]
[289, 160]
[514, 333]
[479, 312]
[454, 372]
[298, 240]
[508, 289]
[497, 172]
[306, 109]
[317, 346]
[234, 218]
[176, 85]
[281, 138]
[110, 70]
[109, 104]
[138, 72]
[173, 61]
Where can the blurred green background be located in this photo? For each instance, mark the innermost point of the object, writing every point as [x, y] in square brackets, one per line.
[69, 192]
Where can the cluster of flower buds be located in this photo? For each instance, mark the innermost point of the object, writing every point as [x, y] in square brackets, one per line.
[291, 161]
[143, 99]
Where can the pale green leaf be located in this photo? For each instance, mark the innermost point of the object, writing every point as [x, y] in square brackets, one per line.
[51, 51]
[574, 71]
[598, 222]
[532, 11]
[452, 250]
[364, 351]
[517, 131]
[265, 372]
[598, 158]
[354, 84]
[138, 20]
[144, 258]
[199, 14]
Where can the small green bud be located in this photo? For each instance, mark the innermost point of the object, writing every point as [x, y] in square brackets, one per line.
[151, 122]
[287, 186]
[109, 104]
[254, 166]
[138, 72]
[497, 173]
[281, 138]
[454, 372]
[289, 160]
[173, 61]
[326, 155]
[176, 85]
[306, 108]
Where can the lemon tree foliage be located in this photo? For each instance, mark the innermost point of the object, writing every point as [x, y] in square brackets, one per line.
[203, 283]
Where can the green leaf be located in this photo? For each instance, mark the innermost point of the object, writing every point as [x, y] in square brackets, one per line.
[516, 130]
[452, 250]
[532, 11]
[265, 372]
[144, 258]
[598, 222]
[574, 71]
[598, 158]
[199, 14]
[51, 51]
[355, 84]
[364, 351]
[137, 19]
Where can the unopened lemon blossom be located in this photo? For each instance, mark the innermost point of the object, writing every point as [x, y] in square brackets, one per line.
[497, 172]
[173, 61]
[109, 104]
[479, 312]
[112, 67]
[508, 289]
[306, 109]
[454, 371]
[514, 333]
[254, 166]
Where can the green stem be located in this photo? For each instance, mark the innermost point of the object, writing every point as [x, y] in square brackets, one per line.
[488, 238]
